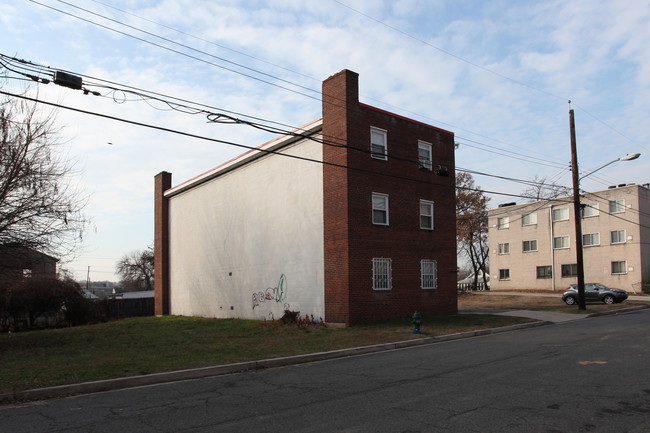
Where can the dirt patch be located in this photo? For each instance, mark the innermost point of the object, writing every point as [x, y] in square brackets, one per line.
[492, 301]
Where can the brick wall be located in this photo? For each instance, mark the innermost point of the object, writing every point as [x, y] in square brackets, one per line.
[162, 182]
[351, 240]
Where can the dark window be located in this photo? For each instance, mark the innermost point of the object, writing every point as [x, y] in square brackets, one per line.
[544, 271]
[570, 270]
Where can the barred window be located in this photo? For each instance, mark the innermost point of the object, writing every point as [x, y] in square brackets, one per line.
[429, 274]
[382, 278]
[504, 274]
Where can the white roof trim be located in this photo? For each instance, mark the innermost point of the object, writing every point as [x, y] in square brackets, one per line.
[253, 154]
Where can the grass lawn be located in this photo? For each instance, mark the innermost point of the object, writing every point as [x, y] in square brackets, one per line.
[138, 346]
[495, 301]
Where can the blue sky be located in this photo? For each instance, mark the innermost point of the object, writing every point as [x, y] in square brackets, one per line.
[499, 74]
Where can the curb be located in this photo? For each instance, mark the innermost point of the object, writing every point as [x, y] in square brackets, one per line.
[220, 370]
[621, 311]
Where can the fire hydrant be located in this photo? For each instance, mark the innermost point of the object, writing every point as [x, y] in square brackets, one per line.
[417, 321]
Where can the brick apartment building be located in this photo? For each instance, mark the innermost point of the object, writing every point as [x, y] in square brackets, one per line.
[532, 245]
[351, 220]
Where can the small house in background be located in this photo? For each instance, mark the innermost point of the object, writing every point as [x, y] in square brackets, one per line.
[19, 262]
[349, 219]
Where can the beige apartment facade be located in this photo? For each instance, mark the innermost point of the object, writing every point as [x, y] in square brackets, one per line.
[532, 245]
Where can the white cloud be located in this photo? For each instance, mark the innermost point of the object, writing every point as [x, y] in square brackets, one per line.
[537, 54]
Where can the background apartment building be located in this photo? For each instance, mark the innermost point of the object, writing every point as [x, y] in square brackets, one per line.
[351, 219]
[532, 246]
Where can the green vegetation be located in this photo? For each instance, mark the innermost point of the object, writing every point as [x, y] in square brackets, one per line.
[136, 346]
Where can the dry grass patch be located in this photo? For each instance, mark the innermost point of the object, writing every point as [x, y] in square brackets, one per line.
[496, 301]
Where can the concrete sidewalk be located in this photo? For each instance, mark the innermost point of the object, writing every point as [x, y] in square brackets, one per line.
[546, 316]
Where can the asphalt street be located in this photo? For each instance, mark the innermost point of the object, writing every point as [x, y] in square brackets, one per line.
[588, 375]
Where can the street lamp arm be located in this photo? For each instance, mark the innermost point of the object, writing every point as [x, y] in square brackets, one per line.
[623, 158]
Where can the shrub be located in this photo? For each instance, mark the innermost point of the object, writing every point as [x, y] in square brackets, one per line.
[31, 302]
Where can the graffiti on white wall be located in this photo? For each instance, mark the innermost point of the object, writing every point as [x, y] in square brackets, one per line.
[276, 294]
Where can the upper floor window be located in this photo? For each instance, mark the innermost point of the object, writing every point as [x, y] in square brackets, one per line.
[425, 155]
[504, 248]
[560, 214]
[617, 206]
[382, 274]
[529, 219]
[378, 143]
[591, 239]
[590, 210]
[503, 223]
[530, 246]
[617, 236]
[429, 274]
[561, 242]
[379, 209]
[426, 215]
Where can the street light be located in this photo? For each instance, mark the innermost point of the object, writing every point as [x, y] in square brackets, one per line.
[623, 158]
[577, 208]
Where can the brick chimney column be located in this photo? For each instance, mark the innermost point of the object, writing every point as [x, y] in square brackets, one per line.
[162, 182]
[340, 103]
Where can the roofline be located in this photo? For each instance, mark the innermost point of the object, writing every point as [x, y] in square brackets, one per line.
[405, 118]
[270, 146]
[564, 200]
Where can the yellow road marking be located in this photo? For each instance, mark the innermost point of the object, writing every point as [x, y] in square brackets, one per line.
[591, 362]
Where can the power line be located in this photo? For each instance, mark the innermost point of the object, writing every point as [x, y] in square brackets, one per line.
[450, 54]
[205, 40]
[217, 117]
[230, 143]
[482, 68]
[186, 54]
[208, 54]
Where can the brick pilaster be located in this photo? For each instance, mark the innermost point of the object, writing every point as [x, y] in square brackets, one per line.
[162, 182]
[340, 98]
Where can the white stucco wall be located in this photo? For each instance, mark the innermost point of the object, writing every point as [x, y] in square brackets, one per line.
[233, 238]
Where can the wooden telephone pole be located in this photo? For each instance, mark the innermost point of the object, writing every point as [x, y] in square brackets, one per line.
[578, 214]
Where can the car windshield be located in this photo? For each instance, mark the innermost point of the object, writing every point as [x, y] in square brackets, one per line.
[599, 286]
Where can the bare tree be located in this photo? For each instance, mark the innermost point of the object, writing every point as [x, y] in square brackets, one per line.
[136, 270]
[472, 224]
[541, 188]
[39, 208]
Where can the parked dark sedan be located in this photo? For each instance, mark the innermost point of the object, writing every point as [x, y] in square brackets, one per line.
[594, 292]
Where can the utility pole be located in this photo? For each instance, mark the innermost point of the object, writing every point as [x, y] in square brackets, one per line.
[577, 211]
